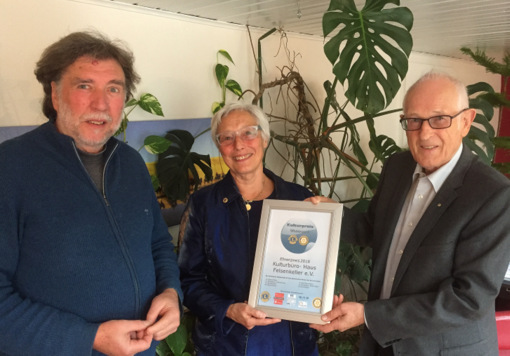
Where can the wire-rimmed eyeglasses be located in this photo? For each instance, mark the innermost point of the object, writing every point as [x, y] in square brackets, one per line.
[435, 122]
[246, 133]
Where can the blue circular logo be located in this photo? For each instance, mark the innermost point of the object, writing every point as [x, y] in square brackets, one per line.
[299, 235]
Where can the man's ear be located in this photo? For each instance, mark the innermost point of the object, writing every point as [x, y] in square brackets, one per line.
[467, 118]
[54, 96]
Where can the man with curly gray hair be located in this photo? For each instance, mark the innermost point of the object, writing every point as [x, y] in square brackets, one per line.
[86, 262]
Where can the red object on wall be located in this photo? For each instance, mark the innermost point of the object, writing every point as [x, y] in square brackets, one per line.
[501, 155]
[503, 326]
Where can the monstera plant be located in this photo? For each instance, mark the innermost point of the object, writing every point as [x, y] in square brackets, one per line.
[377, 43]
[368, 49]
[177, 163]
[485, 101]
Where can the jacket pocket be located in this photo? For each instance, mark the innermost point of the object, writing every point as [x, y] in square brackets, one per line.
[481, 348]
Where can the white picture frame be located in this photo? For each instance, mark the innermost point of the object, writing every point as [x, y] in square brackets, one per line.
[295, 261]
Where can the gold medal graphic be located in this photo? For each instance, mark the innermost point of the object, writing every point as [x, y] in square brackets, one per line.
[317, 302]
[298, 235]
[292, 239]
[265, 296]
[303, 240]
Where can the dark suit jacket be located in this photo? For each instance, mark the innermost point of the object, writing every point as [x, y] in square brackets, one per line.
[442, 301]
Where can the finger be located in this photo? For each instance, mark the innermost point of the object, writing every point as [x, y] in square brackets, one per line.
[165, 326]
[267, 321]
[251, 323]
[140, 345]
[153, 313]
[314, 200]
[325, 328]
[258, 314]
[164, 332]
[332, 314]
[337, 300]
[140, 334]
[134, 325]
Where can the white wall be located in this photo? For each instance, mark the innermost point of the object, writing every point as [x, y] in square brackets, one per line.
[175, 56]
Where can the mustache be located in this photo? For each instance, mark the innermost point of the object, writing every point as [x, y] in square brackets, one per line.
[100, 116]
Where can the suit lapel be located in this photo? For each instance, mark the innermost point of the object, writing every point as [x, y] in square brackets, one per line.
[443, 199]
[400, 178]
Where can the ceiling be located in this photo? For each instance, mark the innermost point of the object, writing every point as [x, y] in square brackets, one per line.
[440, 26]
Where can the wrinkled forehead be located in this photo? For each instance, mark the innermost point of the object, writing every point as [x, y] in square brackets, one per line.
[437, 95]
[236, 119]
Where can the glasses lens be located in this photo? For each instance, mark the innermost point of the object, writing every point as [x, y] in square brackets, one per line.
[250, 132]
[411, 124]
[226, 138]
[440, 122]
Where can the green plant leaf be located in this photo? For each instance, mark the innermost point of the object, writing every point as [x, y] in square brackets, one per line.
[469, 141]
[486, 99]
[221, 74]
[376, 46]
[476, 134]
[344, 348]
[502, 167]
[178, 340]
[226, 55]
[130, 103]
[155, 182]
[358, 151]
[123, 125]
[163, 349]
[502, 142]
[151, 104]
[483, 132]
[216, 106]
[372, 181]
[383, 147]
[175, 165]
[489, 63]
[234, 87]
[156, 144]
[354, 261]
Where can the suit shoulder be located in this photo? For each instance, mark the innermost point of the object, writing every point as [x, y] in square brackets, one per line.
[404, 157]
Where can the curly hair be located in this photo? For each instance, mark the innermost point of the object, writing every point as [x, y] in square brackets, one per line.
[57, 57]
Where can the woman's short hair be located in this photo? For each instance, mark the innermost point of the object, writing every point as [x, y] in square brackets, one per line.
[57, 57]
[255, 111]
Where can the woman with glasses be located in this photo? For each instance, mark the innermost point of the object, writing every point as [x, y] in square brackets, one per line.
[220, 230]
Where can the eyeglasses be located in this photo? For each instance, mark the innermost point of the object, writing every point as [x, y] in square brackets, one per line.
[247, 133]
[435, 122]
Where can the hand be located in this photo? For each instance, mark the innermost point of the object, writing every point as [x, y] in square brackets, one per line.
[342, 317]
[122, 337]
[249, 317]
[317, 199]
[164, 315]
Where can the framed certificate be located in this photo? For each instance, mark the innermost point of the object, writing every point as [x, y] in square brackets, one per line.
[295, 261]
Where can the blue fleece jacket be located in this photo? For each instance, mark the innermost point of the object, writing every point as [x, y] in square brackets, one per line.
[72, 257]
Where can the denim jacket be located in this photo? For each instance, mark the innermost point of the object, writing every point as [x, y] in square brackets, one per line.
[216, 270]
